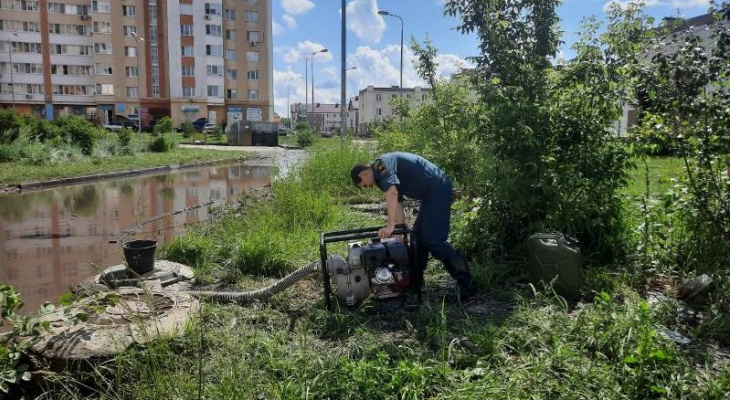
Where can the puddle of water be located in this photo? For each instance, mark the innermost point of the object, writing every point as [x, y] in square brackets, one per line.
[51, 239]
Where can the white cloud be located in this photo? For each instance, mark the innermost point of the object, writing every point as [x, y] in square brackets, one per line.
[292, 56]
[277, 28]
[296, 7]
[363, 19]
[690, 3]
[375, 67]
[625, 3]
[289, 21]
[658, 3]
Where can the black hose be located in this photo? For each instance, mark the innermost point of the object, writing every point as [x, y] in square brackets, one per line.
[245, 297]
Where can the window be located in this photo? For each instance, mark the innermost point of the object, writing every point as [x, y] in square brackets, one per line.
[186, 9]
[186, 30]
[252, 36]
[215, 70]
[253, 75]
[213, 30]
[212, 9]
[231, 74]
[132, 91]
[213, 50]
[187, 51]
[231, 55]
[188, 71]
[102, 27]
[230, 15]
[129, 29]
[378, 98]
[252, 16]
[253, 94]
[102, 48]
[100, 69]
[231, 94]
[231, 34]
[252, 56]
[105, 89]
[188, 91]
[130, 51]
[100, 6]
[131, 72]
[380, 111]
[213, 91]
[129, 11]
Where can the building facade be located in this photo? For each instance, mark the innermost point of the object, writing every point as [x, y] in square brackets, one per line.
[322, 117]
[186, 59]
[376, 103]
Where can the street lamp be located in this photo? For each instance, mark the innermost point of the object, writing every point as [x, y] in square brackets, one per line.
[343, 112]
[388, 14]
[288, 107]
[311, 64]
[139, 88]
[306, 85]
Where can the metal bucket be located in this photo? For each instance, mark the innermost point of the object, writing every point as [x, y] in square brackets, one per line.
[140, 255]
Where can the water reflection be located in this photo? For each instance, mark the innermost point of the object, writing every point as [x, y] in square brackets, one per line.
[54, 238]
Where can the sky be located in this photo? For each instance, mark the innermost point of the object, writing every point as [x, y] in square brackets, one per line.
[302, 27]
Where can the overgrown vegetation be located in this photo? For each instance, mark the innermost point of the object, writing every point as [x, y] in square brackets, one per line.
[531, 144]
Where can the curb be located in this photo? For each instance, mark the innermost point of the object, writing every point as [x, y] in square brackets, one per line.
[51, 183]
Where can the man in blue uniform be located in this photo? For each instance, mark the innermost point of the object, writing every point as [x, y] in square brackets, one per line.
[412, 176]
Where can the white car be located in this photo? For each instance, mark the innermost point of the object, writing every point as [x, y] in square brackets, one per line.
[112, 126]
[209, 127]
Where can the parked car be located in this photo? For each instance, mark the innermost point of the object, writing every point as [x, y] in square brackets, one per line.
[209, 127]
[198, 125]
[117, 125]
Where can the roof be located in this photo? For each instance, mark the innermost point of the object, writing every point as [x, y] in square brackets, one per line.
[354, 103]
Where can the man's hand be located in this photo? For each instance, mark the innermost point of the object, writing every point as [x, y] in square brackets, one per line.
[386, 232]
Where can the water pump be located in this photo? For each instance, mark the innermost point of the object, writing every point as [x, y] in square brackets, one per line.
[380, 269]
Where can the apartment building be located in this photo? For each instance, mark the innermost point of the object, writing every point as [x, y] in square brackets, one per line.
[186, 59]
[322, 117]
[374, 103]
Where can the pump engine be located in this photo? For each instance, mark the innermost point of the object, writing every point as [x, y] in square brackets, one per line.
[377, 268]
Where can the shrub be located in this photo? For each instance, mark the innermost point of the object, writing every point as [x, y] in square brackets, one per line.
[9, 125]
[187, 129]
[160, 144]
[163, 126]
[305, 137]
[125, 136]
[79, 131]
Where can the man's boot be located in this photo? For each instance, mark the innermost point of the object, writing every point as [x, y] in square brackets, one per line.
[458, 268]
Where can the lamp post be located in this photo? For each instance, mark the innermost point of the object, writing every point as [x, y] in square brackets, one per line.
[12, 82]
[311, 64]
[288, 107]
[139, 88]
[343, 111]
[388, 14]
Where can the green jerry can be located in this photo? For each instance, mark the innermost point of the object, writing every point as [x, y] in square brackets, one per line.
[555, 256]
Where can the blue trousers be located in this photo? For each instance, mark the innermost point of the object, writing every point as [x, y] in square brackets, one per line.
[431, 229]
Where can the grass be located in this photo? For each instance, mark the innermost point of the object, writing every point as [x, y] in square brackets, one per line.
[664, 172]
[523, 345]
[15, 173]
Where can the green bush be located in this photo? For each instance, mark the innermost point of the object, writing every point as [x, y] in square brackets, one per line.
[79, 131]
[163, 126]
[161, 144]
[187, 129]
[126, 136]
[305, 137]
[10, 122]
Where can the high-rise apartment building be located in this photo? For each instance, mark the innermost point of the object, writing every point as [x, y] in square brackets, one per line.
[186, 59]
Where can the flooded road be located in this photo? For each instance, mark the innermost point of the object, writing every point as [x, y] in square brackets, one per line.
[51, 239]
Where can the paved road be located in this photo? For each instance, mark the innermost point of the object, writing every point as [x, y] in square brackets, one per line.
[261, 150]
